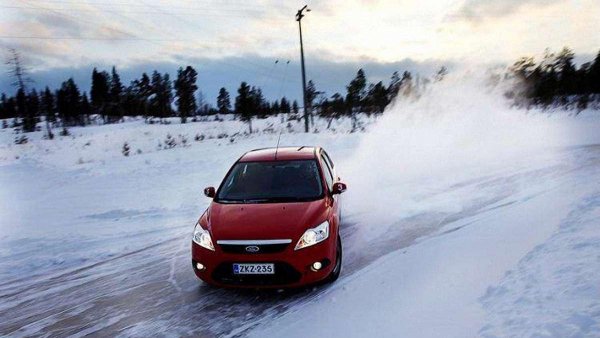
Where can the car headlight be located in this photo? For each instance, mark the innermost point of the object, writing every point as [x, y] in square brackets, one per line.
[313, 236]
[202, 238]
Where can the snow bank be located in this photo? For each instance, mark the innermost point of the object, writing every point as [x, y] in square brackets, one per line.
[92, 147]
[554, 290]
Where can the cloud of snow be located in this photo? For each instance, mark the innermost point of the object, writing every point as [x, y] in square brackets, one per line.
[461, 128]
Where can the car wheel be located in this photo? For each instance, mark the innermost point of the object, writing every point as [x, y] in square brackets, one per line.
[337, 269]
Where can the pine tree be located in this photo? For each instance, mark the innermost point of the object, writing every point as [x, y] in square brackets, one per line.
[546, 80]
[338, 104]
[406, 84]
[394, 86]
[356, 92]
[295, 109]
[21, 105]
[523, 71]
[86, 108]
[162, 96]
[594, 75]
[223, 101]
[332, 108]
[141, 90]
[258, 104]
[10, 108]
[99, 93]
[275, 108]
[244, 104]
[68, 104]
[48, 106]
[312, 93]
[185, 88]
[566, 73]
[285, 106]
[377, 98]
[32, 110]
[116, 92]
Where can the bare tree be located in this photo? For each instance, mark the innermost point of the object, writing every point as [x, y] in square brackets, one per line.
[17, 71]
[27, 104]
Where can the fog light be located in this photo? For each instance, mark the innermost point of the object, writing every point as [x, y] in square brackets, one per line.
[200, 266]
[316, 266]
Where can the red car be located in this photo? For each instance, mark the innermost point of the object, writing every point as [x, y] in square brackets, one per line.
[273, 222]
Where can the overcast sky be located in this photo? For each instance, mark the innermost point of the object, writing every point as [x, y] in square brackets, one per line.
[235, 40]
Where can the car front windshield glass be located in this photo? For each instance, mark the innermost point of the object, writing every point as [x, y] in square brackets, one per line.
[277, 181]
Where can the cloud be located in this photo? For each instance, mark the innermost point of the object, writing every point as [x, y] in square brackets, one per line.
[59, 24]
[347, 31]
[475, 10]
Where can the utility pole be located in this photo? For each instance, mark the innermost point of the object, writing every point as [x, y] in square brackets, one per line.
[299, 17]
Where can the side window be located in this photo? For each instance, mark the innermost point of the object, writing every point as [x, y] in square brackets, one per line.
[327, 159]
[328, 173]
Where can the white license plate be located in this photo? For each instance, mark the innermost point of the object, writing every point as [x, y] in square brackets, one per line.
[253, 269]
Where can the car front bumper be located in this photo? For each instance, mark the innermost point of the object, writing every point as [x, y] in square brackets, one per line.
[293, 268]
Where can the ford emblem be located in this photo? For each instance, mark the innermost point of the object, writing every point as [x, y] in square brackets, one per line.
[252, 248]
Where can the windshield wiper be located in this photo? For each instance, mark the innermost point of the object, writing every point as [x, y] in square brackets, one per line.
[287, 199]
[256, 200]
[264, 200]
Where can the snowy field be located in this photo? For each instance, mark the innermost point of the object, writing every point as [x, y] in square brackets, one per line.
[463, 218]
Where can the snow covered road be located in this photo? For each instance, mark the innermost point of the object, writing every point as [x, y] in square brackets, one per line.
[139, 282]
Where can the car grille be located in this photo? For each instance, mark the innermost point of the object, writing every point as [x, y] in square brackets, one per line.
[284, 274]
[262, 249]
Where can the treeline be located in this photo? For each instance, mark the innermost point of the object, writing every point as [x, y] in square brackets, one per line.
[156, 97]
[556, 81]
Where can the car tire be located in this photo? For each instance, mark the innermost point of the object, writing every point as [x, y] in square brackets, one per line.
[337, 268]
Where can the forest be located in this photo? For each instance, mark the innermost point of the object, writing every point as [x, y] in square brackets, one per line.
[554, 81]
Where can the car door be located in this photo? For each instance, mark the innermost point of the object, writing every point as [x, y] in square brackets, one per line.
[331, 177]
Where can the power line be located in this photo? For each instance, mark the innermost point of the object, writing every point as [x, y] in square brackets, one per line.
[84, 38]
[264, 77]
[193, 23]
[62, 9]
[143, 24]
[128, 36]
[239, 6]
[74, 18]
[283, 81]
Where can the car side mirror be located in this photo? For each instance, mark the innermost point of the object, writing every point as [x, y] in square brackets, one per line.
[338, 188]
[209, 192]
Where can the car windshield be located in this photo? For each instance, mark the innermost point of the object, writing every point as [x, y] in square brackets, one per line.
[278, 181]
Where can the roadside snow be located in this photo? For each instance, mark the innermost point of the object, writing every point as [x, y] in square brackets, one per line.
[554, 290]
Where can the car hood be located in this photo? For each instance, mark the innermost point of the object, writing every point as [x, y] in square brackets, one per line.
[265, 220]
